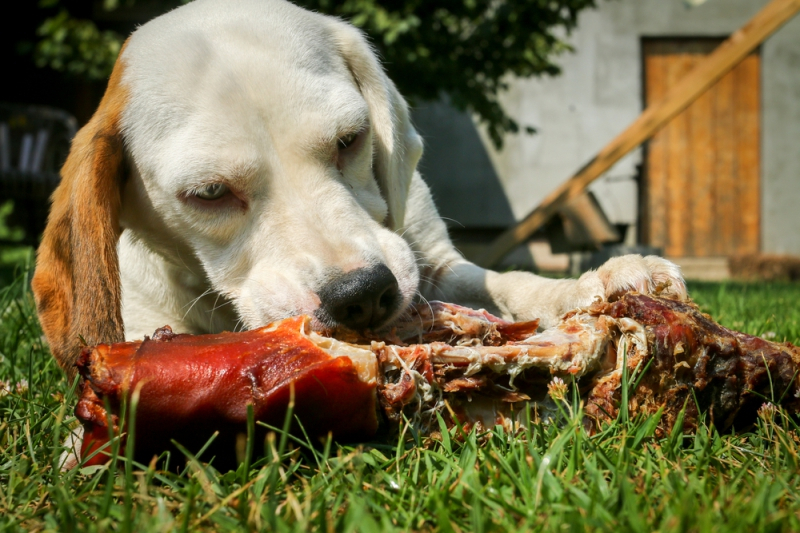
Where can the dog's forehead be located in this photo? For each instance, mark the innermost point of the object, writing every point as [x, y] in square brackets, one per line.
[218, 83]
[257, 59]
[247, 21]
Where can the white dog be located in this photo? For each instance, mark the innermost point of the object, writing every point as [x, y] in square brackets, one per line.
[250, 161]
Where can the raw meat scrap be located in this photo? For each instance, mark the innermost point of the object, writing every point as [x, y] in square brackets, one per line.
[688, 359]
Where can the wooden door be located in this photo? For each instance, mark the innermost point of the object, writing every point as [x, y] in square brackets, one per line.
[701, 184]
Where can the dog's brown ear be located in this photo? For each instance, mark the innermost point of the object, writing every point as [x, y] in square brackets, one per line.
[398, 147]
[76, 284]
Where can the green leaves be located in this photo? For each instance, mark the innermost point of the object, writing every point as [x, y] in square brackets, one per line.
[76, 47]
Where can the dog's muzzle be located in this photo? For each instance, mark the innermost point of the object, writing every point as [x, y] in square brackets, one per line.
[360, 299]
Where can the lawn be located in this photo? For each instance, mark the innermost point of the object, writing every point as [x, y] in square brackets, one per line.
[551, 478]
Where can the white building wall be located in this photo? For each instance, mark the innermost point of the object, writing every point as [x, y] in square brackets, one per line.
[597, 96]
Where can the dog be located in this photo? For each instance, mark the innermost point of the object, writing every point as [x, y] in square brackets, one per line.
[251, 161]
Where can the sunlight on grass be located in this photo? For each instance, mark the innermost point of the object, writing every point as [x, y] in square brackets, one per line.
[551, 478]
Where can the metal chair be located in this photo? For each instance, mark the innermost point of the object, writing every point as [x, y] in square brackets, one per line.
[34, 143]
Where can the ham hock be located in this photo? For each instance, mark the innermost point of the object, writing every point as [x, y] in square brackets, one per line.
[467, 366]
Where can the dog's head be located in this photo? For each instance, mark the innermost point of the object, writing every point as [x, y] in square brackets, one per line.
[258, 144]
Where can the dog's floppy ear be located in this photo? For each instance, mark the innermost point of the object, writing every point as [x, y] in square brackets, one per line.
[397, 145]
[76, 284]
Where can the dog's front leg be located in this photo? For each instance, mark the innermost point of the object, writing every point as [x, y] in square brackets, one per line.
[519, 295]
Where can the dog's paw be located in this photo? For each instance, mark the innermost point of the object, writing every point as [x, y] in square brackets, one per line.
[647, 275]
[70, 457]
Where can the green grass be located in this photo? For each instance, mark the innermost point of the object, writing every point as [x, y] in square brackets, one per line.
[551, 478]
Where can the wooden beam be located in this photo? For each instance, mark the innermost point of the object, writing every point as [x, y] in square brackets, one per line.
[707, 73]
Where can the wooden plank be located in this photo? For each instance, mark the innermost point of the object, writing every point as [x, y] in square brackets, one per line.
[585, 224]
[698, 202]
[677, 169]
[724, 58]
[748, 147]
[701, 198]
[655, 174]
[725, 168]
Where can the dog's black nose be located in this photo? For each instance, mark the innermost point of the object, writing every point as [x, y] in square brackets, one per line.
[362, 298]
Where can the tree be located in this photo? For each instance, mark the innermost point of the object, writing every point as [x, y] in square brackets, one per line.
[465, 49]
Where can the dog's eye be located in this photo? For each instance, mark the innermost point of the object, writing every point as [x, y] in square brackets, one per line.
[212, 191]
[347, 140]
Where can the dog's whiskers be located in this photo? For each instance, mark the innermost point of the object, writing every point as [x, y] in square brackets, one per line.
[452, 220]
[430, 307]
[180, 257]
[432, 283]
[194, 302]
[215, 307]
[220, 306]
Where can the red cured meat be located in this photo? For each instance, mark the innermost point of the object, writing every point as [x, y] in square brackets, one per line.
[193, 385]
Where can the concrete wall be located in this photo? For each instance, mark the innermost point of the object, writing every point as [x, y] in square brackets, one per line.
[596, 97]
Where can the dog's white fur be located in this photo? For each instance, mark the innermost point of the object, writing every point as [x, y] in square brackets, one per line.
[255, 93]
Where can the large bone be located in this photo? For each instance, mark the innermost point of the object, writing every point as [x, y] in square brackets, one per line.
[467, 366]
